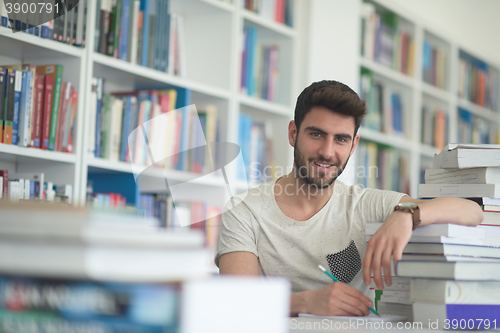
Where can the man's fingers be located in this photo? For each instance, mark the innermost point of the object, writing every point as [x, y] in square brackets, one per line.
[355, 306]
[356, 294]
[376, 261]
[386, 265]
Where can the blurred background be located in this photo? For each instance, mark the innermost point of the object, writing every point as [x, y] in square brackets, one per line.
[94, 112]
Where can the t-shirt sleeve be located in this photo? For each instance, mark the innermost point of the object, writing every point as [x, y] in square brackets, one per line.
[376, 205]
[237, 231]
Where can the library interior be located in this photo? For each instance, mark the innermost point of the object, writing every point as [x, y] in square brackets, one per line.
[136, 133]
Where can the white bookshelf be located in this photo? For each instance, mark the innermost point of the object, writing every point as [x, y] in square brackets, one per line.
[213, 37]
[24, 162]
[213, 32]
[344, 24]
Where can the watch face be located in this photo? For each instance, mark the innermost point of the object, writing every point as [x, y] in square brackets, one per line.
[408, 205]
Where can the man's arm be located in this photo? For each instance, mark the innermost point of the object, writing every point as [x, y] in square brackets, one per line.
[336, 299]
[390, 240]
[239, 263]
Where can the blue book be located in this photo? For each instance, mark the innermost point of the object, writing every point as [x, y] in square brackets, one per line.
[252, 49]
[37, 31]
[241, 165]
[144, 8]
[24, 114]
[32, 189]
[166, 48]
[124, 34]
[17, 25]
[397, 113]
[17, 106]
[247, 143]
[183, 99]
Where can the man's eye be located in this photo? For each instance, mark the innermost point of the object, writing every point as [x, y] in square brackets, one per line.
[342, 139]
[316, 134]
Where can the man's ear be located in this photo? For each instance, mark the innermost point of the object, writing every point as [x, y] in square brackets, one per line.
[292, 133]
[354, 144]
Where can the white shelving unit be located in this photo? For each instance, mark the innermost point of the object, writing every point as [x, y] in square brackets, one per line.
[213, 37]
[423, 93]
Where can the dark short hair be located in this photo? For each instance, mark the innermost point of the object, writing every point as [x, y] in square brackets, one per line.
[332, 95]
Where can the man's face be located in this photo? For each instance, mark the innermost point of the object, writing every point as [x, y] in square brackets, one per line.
[322, 146]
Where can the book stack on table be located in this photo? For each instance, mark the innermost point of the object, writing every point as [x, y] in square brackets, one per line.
[396, 299]
[456, 281]
[64, 269]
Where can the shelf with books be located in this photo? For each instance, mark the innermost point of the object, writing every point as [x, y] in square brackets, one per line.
[385, 139]
[478, 81]
[121, 71]
[267, 144]
[381, 166]
[265, 63]
[389, 105]
[478, 110]
[436, 55]
[435, 122]
[474, 129]
[387, 38]
[22, 45]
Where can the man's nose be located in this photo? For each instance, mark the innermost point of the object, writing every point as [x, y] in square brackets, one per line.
[327, 150]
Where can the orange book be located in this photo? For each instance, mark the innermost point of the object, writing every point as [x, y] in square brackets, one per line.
[440, 130]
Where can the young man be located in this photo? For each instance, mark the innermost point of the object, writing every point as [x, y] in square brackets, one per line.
[289, 226]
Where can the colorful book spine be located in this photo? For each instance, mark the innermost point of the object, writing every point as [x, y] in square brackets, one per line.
[47, 111]
[24, 116]
[17, 106]
[8, 119]
[55, 106]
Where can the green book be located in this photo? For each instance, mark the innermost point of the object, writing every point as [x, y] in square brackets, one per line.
[55, 106]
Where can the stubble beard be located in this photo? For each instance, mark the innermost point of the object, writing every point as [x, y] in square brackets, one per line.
[302, 170]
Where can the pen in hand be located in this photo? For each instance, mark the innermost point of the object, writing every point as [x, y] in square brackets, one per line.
[337, 280]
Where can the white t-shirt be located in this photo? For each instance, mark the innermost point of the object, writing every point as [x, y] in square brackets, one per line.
[334, 237]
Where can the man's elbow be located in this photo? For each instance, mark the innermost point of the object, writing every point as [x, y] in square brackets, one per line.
[475, 214]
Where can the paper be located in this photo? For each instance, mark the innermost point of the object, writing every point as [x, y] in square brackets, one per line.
[370, 318]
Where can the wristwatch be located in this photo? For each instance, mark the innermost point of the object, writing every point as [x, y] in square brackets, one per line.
[412, 208]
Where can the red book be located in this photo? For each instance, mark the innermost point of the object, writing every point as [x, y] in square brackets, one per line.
[47, 111]
[5, 185]
[36, 131]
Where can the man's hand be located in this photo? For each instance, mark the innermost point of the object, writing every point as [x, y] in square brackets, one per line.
[389, 241]
[336, 299]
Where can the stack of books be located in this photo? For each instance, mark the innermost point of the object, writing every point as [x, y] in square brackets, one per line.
[468, 171]
[455, 279]
[93, 272]
[424, 247]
